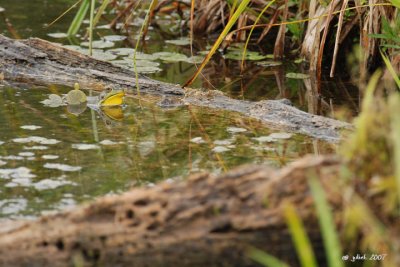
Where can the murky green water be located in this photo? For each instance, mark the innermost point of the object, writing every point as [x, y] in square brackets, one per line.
[51, 159]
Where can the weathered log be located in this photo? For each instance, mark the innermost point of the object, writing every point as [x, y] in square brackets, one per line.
[204, 221]
[40, 62]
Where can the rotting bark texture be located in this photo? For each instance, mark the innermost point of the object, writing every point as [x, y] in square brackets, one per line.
[40, 62]
[204, 221]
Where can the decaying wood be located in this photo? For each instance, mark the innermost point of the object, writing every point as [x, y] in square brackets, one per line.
[39, 62]
[205, 220]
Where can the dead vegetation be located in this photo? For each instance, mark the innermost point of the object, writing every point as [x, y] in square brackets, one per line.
[316, 29]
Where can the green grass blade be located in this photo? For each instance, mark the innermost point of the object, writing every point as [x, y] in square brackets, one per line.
[396, 3]
[331, 240]
[79, 17]
[394, 106]
[390, 69]
[300, 238]
[251, 31]
[218, 42]
[153, 4]
[265, 259]
[92, 5]
[100, 12]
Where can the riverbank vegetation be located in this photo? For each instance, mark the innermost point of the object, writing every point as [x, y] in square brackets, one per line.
[357, 211]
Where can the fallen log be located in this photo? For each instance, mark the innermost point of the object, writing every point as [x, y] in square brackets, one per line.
[206, 220]
[38, 62]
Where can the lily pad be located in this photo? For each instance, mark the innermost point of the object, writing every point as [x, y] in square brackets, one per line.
[143, 56]
[148, 69]
[114, 38]
[180, 41]
[195, 59]
[29, 127]
[104, 56]
[123, 51]
[250, 55]
[36, 139]
[53, 101]
[300, 76]
[269, 63]
[57, 35]
[62, 167]
[281, 135]
[85, 146]
[220, 149]
[171, 56]
[236, 130]
[99, 44]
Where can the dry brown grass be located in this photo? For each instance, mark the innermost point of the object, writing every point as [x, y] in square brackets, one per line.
[326, 26]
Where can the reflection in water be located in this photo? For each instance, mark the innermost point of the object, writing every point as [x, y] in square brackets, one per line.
[50, 158]
[55, 156]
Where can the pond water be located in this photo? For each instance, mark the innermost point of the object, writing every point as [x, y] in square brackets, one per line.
[51, 159]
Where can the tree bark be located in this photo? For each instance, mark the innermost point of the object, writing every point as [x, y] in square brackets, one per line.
[205, 220]
[38, 62]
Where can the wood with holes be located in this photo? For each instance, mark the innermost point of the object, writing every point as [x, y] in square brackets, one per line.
[206, 220]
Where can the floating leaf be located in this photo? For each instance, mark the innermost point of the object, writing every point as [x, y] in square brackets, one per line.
[220, 149]
[236, 130]
[114, 38]
[299, 60]
[180, 41]
[269, 63]
[99, 44]
[99, 54]
[30, 127]
[62, 167]
[171, 56]
[143, 56]
[58, 35]
[85, 146]
[53, 101]
[250, 55]
[149, 69]
[281, 135]
[195, 59]
[36, 139]
[123, 51]
[293, 75]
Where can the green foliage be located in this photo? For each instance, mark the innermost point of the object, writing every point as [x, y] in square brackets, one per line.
[394, 107]
[396, 3]
[243, 5]
[79, 17]
[331, 240]
[390, 35]
[300, 238]
[265, 259]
